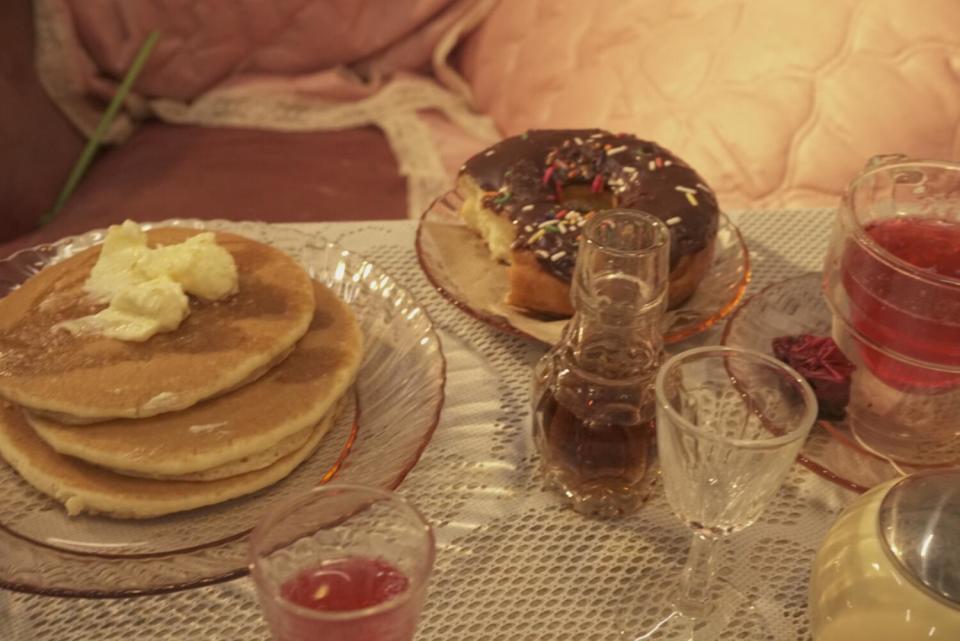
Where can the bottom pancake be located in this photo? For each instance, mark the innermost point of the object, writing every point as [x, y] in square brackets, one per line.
[85, 488]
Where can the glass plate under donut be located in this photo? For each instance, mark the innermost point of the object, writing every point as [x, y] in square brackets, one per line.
[797, 306]
[390, 416]
[456, 261]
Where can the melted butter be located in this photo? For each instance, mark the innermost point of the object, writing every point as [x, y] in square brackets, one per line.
[147, 288]
[137, 313]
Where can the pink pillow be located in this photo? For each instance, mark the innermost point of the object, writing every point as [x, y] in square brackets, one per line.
[775, 103]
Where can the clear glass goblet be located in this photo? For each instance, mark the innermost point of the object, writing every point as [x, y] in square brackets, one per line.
[730, 423]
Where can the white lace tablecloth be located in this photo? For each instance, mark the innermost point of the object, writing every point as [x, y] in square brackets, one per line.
[512, 563]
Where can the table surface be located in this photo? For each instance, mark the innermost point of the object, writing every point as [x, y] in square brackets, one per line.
[512, 562]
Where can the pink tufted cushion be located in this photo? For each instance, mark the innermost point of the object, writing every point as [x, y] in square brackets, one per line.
[776, 102]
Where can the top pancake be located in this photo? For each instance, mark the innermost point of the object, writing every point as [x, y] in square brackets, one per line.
[290, 398]
[218, 347]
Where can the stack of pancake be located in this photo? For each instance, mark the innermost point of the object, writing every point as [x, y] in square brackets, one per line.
[228, 403]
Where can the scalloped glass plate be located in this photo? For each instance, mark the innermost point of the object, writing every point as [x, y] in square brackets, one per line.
[456, 261]
[376, 442]
[797, 306]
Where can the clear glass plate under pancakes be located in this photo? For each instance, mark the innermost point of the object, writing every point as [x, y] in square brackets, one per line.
[797, 306]
[456, 261]
[390, 418]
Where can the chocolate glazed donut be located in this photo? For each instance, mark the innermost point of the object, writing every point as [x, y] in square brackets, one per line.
[528, 197]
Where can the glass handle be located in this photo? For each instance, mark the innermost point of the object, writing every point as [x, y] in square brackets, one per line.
[882, 160]
[874, 163]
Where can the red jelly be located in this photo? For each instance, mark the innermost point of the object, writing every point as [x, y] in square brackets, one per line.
[351, 583]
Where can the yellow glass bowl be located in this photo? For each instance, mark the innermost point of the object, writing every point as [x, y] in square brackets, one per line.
[859, 591]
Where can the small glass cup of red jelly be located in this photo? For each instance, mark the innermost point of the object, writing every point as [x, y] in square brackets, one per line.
[343, 562]
[892, 280]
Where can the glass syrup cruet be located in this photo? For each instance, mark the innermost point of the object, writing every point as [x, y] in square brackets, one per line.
[593, 398]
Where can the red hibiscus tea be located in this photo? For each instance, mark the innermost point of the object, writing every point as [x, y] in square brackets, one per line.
[916, 319]
[344, 563]
[892, 279]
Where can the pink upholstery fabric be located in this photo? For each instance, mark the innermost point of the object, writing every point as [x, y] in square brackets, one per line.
[777, 103]
[286, 66]
[37, 144]
[166, 171]
[206, 43]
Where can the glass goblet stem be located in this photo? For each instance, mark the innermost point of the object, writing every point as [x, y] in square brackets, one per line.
[693, 595]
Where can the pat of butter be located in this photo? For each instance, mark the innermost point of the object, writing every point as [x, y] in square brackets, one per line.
[147, 288]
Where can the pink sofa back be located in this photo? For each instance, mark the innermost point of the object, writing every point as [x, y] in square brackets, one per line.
[777, 103]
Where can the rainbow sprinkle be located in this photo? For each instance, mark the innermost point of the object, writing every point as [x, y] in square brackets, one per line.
[691, 194]
[548, 173]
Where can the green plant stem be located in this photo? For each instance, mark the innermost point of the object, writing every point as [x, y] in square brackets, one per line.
[93, 144]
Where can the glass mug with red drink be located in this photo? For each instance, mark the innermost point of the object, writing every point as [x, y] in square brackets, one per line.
[343, 563]
[892, 280]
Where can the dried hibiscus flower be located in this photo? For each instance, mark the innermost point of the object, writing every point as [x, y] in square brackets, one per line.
[820, 361]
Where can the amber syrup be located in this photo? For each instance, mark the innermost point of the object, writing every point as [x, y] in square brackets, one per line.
[603, 464]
